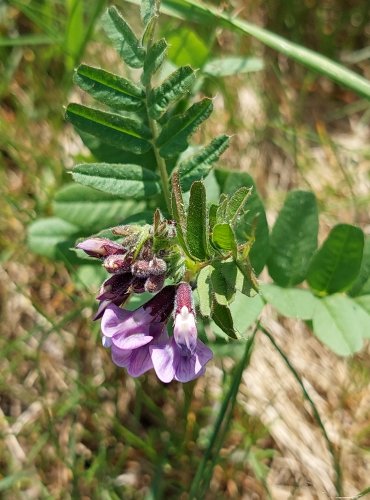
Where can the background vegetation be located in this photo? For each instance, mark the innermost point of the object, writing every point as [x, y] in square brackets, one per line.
[72, 424]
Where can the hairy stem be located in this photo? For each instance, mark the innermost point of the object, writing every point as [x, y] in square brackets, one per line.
[315, 411]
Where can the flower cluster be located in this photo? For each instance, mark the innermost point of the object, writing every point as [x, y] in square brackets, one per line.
[138, 339]
[145, 272]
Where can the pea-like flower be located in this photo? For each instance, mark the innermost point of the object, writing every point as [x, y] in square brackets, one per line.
[184, 356]
[130, 333]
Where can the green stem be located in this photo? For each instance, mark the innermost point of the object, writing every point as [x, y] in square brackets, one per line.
[161, 164]
[316, 414]
[205, 468]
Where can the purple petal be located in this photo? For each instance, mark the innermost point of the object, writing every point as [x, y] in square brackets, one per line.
[203, 354]
[185, 331]
[113, 319]
[164, 358]
[140, 362]
[106, 341]
[120, 357]
[191, 367]
[99, 247]
[133, 341]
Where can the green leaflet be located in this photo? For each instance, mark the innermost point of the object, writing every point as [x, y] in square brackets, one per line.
[362, 284]
[223, 237]
[177, 85]
[222, 287]
[178, 211]
[113, 129]
[290, 302]
[173, 138]
[236, 203]
[53, 237]
[204, 290]
[125, 181]
[221, 315]
[336, 324]
[147, 11]
[123, 38]
[196, 222]
[154, 59]
[337, 263]
[110, 89]
[199, 165]
[293, 239]
[228, 66]
[90, 209]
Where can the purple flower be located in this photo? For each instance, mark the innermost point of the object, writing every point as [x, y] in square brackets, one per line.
[100, 247]
[114, 290]
[184, 357]
[129, 333]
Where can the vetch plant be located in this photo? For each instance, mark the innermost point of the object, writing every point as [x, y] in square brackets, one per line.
[192, 261]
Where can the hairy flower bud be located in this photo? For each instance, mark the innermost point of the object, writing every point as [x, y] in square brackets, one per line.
[157, 266]
[140, 269]
[100, 247]
[117, 263]
[137, 285]
[154, 283]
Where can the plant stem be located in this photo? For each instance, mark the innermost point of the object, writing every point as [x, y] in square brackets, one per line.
[316, 414]
[205, 468]
[161, 164]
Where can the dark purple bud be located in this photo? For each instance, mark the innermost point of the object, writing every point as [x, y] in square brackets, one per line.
[157, 266]
[115, 287]
[100, 247]
[161, 305]
[140, 269]
[154, 283]
[184, 298]
[138, 285]
[117, 263]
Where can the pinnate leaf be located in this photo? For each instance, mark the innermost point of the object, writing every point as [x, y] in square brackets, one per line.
[123, 38]
[199, 165]
[110, 89]
[293, 239]
[113, 129]
[174, 136]
[173, 88]
[337, 263]
[125, 181]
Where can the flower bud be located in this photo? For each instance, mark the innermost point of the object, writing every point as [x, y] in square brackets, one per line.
[157, 266]
[117, 263]
[100, 247]
[185, 329]
[137, 285]
[140, 269]
[154, 283]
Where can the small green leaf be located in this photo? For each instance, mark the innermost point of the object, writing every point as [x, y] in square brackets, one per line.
[113, 129]
[177, 85]
[90, 209]
[110, 89]
[123, 38]
[199, 165]
[337, 263]
[290, 302]
[236, 204]
[53, 237]
[154, 60]
[178, 211]
[232, 66]
[222, 317]
[223, 237]
[362, 284]
[362, 308]
[252, 224]
[147, 11]
[204, 290]
[125, 181]
[186, 47]
[293, 239]
[196, 222]
[174, 136]
[212, 216]
[336, 324]
[222, 288]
